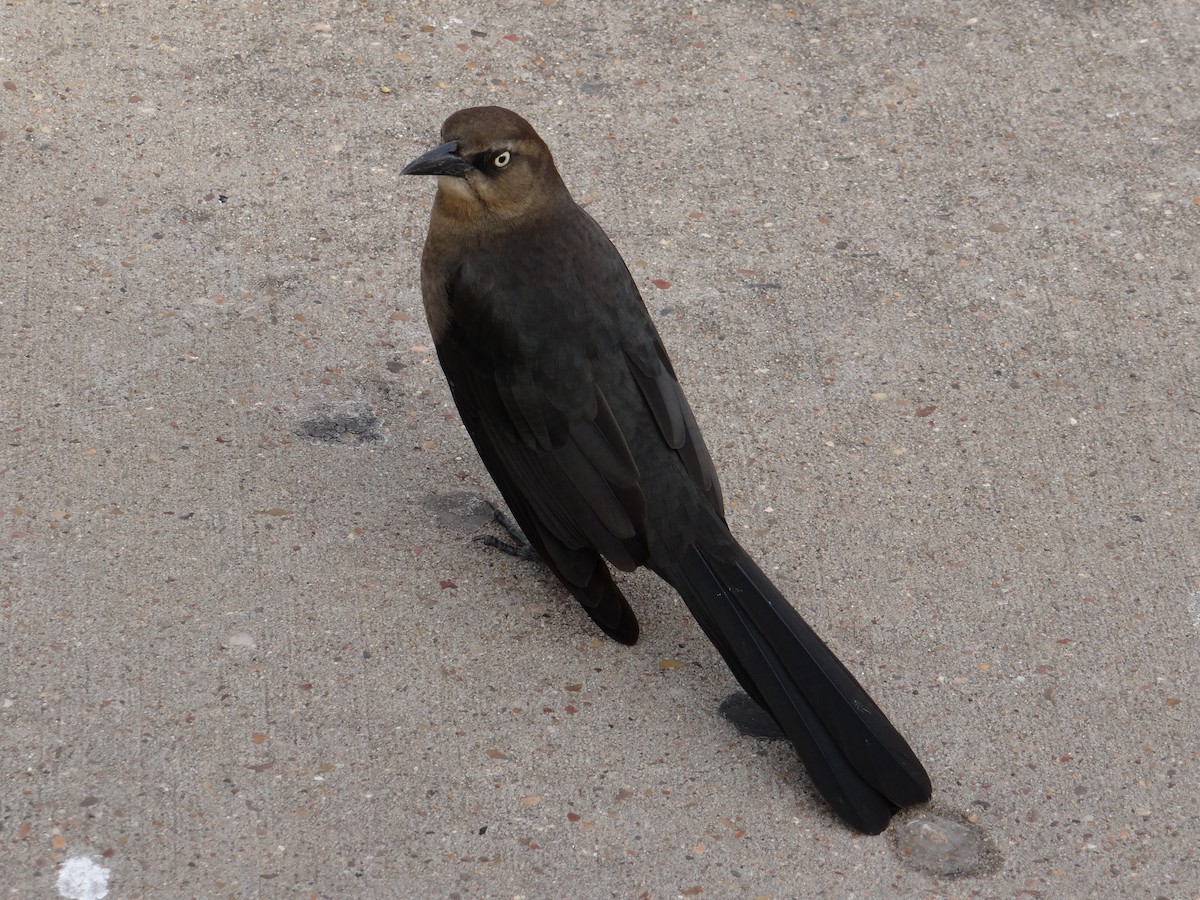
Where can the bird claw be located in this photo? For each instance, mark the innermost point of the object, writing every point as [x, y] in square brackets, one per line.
[520, 551]
[519, 547]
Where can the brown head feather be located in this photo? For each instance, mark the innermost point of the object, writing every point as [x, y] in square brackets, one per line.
[513, 175]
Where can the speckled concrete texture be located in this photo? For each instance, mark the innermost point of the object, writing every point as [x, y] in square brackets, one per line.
[929, 275]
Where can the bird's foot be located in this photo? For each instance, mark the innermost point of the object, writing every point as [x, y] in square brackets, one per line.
[744, 714]
[519, 547]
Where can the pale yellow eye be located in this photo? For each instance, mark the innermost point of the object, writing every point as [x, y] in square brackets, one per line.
[502, 159]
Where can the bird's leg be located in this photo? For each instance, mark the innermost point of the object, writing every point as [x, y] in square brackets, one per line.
[520, 546]
[745, 714]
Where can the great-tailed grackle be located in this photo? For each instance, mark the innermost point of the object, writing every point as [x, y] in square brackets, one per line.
[563, 383]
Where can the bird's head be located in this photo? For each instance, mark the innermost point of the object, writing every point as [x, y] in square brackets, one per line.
[490, 163]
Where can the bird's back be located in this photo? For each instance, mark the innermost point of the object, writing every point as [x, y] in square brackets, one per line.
[549, 308]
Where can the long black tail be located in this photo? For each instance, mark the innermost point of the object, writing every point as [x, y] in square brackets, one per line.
[856, 758]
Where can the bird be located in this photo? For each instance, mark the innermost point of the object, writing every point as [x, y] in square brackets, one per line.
[565, 387]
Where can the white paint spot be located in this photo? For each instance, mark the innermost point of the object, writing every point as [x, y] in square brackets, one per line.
[241, 639]
[82, 879]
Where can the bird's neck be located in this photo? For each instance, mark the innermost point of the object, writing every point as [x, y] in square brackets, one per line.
[458, 210]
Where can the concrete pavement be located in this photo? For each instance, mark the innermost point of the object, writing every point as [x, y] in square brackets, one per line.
[929, 278]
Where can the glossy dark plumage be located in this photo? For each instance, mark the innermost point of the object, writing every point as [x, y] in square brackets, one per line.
[563, 383]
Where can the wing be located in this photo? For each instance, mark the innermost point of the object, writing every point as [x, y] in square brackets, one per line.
[562, 383]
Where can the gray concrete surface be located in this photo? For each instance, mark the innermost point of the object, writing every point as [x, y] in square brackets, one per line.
[929, 274]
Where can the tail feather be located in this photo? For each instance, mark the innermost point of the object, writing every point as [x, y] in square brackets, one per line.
[855, 757]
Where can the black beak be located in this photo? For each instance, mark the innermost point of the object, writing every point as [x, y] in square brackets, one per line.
[443, 160]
